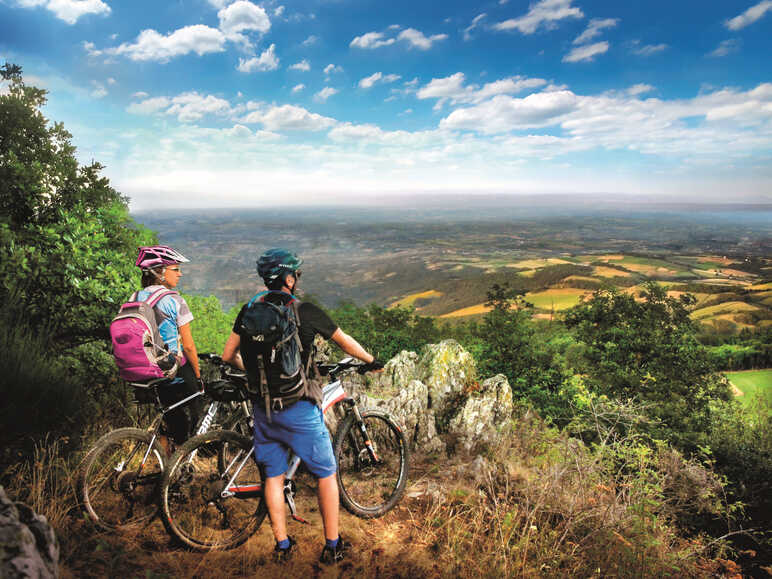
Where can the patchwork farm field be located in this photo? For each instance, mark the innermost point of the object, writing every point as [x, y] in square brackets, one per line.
[733, 298]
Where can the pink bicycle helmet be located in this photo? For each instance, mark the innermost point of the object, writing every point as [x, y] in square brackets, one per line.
[157, 256]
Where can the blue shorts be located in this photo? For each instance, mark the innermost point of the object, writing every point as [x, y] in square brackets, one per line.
[300, 428]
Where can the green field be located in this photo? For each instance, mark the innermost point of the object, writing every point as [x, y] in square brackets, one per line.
[752, 381]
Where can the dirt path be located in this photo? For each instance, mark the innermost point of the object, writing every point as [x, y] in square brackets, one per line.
[390, 546]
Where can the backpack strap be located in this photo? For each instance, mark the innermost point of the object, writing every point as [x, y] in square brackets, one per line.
[157, 295]
[303, 371]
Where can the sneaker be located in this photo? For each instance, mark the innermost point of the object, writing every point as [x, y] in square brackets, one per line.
[281, 555]
[332, 555]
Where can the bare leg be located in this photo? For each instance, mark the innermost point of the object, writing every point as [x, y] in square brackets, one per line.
[328, 506]
[274, 500]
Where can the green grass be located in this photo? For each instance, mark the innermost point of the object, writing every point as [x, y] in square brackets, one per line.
[751, 382]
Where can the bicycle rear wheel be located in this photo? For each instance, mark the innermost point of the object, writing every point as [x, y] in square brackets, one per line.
[208, 507]
[119, 478]
[371, 478]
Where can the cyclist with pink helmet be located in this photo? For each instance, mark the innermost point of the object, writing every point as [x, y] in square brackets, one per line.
[160, 267]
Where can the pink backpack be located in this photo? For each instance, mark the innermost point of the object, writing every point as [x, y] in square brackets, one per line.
[137, 345]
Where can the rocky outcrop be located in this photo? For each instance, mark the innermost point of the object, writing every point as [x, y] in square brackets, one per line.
[446, 369]
[410, 409]
[477, 424]
[28, 546]
[438, 388]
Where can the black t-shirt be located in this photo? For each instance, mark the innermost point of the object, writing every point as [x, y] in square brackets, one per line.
[313, 320]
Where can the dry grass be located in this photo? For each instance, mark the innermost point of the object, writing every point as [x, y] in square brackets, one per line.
[541, 504]
[601, 271]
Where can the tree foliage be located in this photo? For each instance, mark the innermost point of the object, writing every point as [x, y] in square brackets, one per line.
[510, 343]
[67, 250]
[67, 241]
[646, 349]
[385, 332]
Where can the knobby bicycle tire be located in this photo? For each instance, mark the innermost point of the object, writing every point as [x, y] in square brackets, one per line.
[115, 488]
[370, 488]
[194, 510]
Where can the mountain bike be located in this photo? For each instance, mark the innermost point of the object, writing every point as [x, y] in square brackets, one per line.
[118, 479]
[208, 505]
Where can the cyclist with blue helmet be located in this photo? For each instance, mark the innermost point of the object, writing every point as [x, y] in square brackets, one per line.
[300, 425]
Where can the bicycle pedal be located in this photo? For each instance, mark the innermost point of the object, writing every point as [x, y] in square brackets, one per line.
[299, 519]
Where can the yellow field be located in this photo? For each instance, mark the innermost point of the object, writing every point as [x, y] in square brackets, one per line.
[761, 287]
[538, 263]
[470, 311]
[714, 259]
[527, 273]
[722, 309]
[611, 257]
[571, 278]
[609, 272]
[556, 298]
[410, 300]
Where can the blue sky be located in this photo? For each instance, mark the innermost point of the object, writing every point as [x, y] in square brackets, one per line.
[223, 103]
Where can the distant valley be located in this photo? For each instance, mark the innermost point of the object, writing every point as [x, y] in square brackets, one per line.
[441, 259]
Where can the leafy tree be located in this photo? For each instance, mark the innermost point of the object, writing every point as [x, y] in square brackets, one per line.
[67, 250]
[211, 326]
[385, 332]
[509, 344]
[67, 242]
[646, 349]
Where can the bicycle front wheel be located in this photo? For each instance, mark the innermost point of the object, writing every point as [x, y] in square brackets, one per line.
[208, 507]
[119, 478]
[372, 462]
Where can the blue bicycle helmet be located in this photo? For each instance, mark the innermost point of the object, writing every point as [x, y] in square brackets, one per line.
[275, 263]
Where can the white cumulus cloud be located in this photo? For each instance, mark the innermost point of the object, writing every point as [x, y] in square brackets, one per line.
[594, 29]
[265, 62]
[331, 68]
[69, 10]
[648, 49]
[325, 93]
[587, 52]
[150, 45]
[310, 41]
[417, 39]
[410, 36]
[370, 81]
[452, 88]
[187, 107]
[726, 47]
[475, 23]
[542, 14]
[298, 87]
[240, 17]
[640, 88]
[751, 15]
[290, 118]
[372, 40]
[303, 65]
[503, 113]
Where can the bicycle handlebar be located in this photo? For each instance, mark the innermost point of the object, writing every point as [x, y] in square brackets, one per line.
[324, 369]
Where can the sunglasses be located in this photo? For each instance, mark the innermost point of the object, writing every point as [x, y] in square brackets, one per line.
[298, 273]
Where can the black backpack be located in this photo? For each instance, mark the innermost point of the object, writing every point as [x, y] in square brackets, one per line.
[271, 350]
